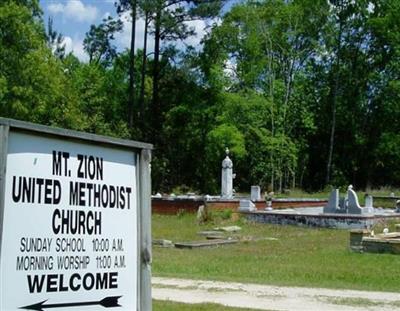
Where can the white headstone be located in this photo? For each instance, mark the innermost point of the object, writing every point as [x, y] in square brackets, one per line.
[333, 204]
[255, 193]
[201, 214]
[227, 177]
[369, 202]
[246, 206]
[353, 205]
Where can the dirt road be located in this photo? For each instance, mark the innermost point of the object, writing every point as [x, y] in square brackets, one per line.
[265, 297]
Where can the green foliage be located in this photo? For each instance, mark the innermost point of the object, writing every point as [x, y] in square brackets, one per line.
[97, 43]
[55, 40]
[273, 81]
[37, 86]
[223, 136]
[181, 189]
[216, 216]
[33, 84]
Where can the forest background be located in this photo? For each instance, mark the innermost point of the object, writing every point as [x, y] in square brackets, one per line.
[305, 93]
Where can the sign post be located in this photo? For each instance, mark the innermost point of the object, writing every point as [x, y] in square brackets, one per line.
[74, 220]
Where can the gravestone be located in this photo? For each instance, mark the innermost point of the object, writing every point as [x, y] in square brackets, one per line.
[247, 206]
[353, 205]
[227, 177]
[201, 214]
[255, 193]
[348, 204]
[369, 202]
[333, 203]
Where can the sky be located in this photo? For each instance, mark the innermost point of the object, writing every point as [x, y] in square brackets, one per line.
[72, 18]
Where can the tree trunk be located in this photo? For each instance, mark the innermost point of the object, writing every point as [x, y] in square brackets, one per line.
[131, 94]
[334, 100]
[331, 142]
[294, 181]
[272, 173]
[156, 74]
[143, 75]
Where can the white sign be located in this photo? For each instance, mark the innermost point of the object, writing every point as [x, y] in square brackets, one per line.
[69, 238]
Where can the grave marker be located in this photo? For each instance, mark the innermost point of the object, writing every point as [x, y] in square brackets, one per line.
[333, 203]
[227, 177]
[255, 194]
[353, 205]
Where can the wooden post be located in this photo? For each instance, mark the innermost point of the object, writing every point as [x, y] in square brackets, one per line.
[145, 231]
[4, 130]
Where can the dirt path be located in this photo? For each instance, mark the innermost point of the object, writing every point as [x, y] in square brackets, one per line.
[265, 297]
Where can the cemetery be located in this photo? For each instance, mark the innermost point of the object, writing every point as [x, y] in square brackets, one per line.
[336, 212]
[302, 246]
[172, 204]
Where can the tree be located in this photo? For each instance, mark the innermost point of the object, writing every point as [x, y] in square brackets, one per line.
[55, 40]
[265, 47]
[170, 19]
[98, 41]
[122, 6]
[339, 11]
[32, 82]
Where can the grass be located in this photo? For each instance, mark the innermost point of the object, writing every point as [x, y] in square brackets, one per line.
[174, 306]
[359, 302]
[300, 257]
[298, 193]
[354, 302]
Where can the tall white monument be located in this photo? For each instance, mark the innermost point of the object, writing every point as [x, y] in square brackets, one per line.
[227, 177]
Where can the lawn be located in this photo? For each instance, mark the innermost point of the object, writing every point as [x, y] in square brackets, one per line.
[174, 306]
[299, 257]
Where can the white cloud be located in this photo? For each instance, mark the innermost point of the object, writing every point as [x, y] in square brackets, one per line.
[76, 47]
[106, 15]
[199, 27]
[75, 10]
[55, 8]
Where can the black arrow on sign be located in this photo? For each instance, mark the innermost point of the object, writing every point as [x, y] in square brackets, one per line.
[108, 302]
